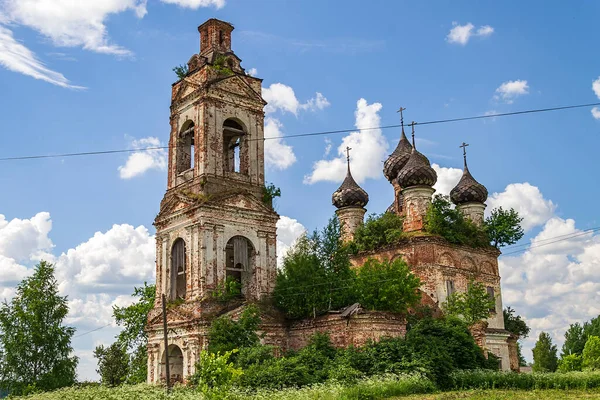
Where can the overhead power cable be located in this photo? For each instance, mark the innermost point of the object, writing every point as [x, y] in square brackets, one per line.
[93, 330]
[308, 134]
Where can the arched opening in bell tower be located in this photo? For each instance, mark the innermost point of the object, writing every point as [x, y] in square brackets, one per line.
[175, 364]
[234, 147]
[239, 264]
[185, 148]
[178, 276]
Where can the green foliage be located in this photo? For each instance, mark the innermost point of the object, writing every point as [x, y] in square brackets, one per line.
[577, 335]
[378, 231]
[35, 346]
[544, 354]
[316, 275]
[493, 362]
[214, 372]
[471, 306]
[226, 334]
[570, 363]
[227, 290]
[270, 192]
[479, 379]
[258, 354]
[219, 65]
[522, 361]
[444, 220]
[387, 286]
[514, 323]
[574, 340]
[591, 354]
[503, 227]
[133, 318]
[133, 338]
[445, 345]
[113, 364]
[181, 71]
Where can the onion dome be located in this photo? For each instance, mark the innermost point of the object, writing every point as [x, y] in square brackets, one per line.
[349, 194]
[468, 190]
[397, 159]
[417, 170]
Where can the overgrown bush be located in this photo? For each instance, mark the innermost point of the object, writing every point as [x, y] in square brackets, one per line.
[226, 334]
[214, 372]
[378, 231]
[227, 290]
[444, 220]
[591, 354]
[570, 363]
[387, 286]
[471, 306]
[316, 275]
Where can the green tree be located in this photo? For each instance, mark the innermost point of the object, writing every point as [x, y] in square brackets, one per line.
[471, 306]
[226, 334]
[214, 372]
[591, 353]
[571, 362]
[504, 227]
[544, 354]
[447, 221]
[316, 275]
[181, 71]
[378, 231]
[133, 337]
[515, 324]
[113, 364]
[387, 286]
[522, 361]
[35, 346]
[574, 340]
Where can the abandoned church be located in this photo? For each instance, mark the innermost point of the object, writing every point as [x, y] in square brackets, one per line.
[214, 224]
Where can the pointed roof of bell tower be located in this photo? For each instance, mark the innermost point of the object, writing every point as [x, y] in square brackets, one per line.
[349, 194]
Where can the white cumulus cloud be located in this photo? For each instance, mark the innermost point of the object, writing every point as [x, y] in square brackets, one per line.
[527, 200]
[596, 112]
[509, 90]
[252, 72]
[369, 149]
[447, 179]
[141, 161]
[277, 154]
[554, 284]
[288, 231]
[195, 4]
[461, 34]
[596, 87]
[282, 97]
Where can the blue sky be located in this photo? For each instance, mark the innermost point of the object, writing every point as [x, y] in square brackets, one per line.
[106, 79]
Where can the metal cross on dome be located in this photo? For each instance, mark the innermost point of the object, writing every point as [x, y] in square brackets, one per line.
[464, 147]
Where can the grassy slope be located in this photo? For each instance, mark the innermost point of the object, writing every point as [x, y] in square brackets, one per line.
[509, 395]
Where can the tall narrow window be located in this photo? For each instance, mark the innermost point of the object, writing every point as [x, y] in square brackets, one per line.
[450, 288]
[239, 256]
[178, 261]
[185, 148]
[234, 148]
[490, 293]
[220, 37]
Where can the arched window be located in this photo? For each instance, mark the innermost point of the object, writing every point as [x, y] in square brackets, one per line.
[175, 364]
[178, 261]
[185, 148]
[239, 263]
[234, 148]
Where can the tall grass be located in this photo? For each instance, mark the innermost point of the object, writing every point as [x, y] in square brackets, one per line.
[368, 389]
[509, 380]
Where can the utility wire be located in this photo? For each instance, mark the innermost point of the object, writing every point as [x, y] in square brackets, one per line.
[567, 236]
[322, 133]
[93, 330]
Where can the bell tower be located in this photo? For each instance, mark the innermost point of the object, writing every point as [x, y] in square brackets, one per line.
[215, 228]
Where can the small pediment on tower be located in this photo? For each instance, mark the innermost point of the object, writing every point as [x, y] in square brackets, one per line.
[237, 85]
[241, 200]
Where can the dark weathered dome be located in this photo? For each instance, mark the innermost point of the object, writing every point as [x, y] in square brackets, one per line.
[417, 171]
[468, 190]
[397, 159]
[349, 194]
